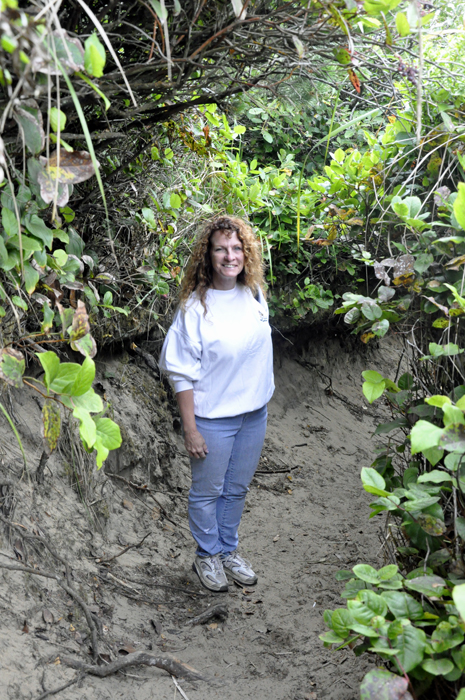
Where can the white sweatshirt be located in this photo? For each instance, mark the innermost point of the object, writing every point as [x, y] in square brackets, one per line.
[225, 356]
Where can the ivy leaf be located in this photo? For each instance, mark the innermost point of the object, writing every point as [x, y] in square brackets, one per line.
[12, 366]
[31, 277]
[51, 425]
[425, 435]
[373, 482]
[428, 585]
[411, 644]
[366, 573]
[9, 222]
[438, 667]
[51, 365]
[37, 227]
[94, 56]
[84, 378]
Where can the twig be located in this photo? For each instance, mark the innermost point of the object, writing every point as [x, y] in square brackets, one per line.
[79, 677]
[278, 471]
[220, 611]
[138, 658]
[130, 546]
[181, 691]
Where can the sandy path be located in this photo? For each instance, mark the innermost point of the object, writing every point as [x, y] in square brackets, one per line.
[299, 528]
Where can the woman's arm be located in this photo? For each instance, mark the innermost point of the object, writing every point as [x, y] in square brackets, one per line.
[193, 440]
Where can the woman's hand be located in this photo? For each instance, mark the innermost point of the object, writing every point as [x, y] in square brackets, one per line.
[195, 444]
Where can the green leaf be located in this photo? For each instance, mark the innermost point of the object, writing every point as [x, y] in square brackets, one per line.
[458, 595]
[19, 302]
[90, 401]
[57, 119]
[37, 227]
[366, 606]
[373, 482]
[108, 438]
[175, 200]
[31, 277]
[331, 637]
[459, 205]
[84, 378]
[267, 136]
[9, 222]
[239, 129]
[12, 366]
[161, 11]
[29, 117]
[94, 56]
[65, 377]
[87, 427]
[431, 525]
[380, 328]
[428, 585]
[402, 605]
[413, 505]
[373, 391]
[341, 621]
[424, 435]
[379, 684]
[435, 477]
[51, 365]
[366, 573]
[437, 667]
[411, 644]
[446, 636]
[438, 400]
[387, 572]
[403, 27]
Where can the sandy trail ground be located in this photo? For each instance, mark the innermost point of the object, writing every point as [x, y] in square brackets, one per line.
[306, 517]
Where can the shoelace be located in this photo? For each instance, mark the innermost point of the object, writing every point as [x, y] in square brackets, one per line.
[217, 565]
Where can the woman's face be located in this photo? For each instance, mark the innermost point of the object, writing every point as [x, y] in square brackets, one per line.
[227, 258]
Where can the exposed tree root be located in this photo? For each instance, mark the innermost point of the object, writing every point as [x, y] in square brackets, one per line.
[139, 658]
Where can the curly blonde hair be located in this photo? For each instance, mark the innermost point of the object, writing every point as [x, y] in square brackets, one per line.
[198, 276]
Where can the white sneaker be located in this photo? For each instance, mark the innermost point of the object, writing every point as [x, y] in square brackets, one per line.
[239, 569]
[210, 572]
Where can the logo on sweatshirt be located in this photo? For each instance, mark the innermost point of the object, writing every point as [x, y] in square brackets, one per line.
[262, 316]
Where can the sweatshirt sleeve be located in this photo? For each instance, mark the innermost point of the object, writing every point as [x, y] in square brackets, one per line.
[181, 354]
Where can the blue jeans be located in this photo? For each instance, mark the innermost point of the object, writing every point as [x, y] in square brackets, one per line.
[220, 480]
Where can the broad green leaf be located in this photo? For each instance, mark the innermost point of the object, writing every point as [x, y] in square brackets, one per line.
[438, 400]
[365, 630]
[437, 667]
[29, 117]
[459, 205]
[65, 377]
[435, 477]
[9, 222]
[452, 415]
[446, 635]
[267, 136]
[428, 585]
[413, 505]
[87, 427]
[373, 482]
[366, 573]
[51, 364]
[411, 644]
[47, 323]
[94, 56]
[402, 24]
[19, 302]
[175, 200]
[31, 277]
[341, 621]
[433, 455]
[373, 391]
[425, 435]
[372, 377]
[458, 595]
[108, 438]
[402, 605]
[387, 572]
[379, 684]
[331, 637]
[84, 378]
[380, 328]
[459, 656]
[90, 401]
[37, 227]
[366, 606]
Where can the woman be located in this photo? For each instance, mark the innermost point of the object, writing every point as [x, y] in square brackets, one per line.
[218, 354]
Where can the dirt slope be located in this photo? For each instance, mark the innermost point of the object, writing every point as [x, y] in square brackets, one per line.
[302, 523]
